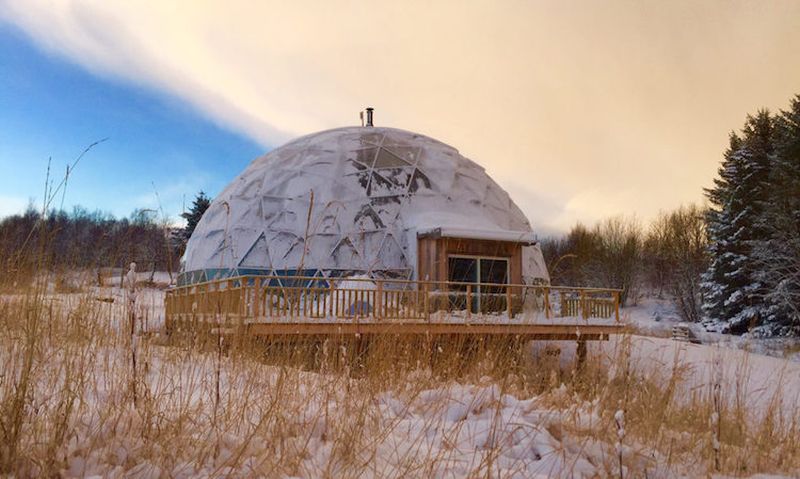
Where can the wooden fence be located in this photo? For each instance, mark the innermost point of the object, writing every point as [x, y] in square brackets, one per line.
[264, 299]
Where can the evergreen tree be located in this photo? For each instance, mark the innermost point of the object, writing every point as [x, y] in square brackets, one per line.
[779, 253]
[737, 223]
[715, 285]
[199, 206]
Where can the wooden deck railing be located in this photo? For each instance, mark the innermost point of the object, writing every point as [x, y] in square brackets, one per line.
[264, 299]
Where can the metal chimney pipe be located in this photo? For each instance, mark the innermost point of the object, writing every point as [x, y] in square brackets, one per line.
[369, 116]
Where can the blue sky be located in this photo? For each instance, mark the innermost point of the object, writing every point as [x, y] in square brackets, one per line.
[580, 110]
[52, 108]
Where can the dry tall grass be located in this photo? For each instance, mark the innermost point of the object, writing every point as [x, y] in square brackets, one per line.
[325, 409]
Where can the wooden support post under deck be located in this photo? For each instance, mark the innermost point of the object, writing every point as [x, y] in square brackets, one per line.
[581, 353]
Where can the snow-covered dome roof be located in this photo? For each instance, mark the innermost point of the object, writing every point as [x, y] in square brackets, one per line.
[345, 201]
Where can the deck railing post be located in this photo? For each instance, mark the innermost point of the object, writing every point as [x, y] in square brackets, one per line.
[584, 310]
[234, 302]
[243, 298]
[509, 306]
[376, 311]
[224, 301]
[233, 306]
[616, 305]
[213, 304]
[230, 308]
[304, 299]
[220, 303]
[167, 310]
[205, 301]
[256, 296]
[546, 303]
[469, 301]
[331, 293]
[353, 305]
[425, 303]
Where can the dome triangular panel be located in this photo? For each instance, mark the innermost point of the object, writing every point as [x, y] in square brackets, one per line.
[258, 255]
[373, 189]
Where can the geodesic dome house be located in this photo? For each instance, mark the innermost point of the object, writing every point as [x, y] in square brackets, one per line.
[381, 202]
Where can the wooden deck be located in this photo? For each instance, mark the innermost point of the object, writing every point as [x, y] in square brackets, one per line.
[296, 307]
[522, 331]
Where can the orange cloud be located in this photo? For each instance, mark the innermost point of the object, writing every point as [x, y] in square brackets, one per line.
[580, 109]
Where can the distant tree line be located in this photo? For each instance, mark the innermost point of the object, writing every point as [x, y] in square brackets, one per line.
[94, 239]
[664, 259]
[87, 239]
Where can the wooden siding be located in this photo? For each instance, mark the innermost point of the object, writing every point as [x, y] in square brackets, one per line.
[432, 255]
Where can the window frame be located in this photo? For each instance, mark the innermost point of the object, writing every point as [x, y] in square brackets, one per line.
[478, 293]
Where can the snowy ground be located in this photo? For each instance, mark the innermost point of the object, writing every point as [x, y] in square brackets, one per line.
[756, 379]
[656, 317]
[455, 429]
[769, 363]
[765, 362]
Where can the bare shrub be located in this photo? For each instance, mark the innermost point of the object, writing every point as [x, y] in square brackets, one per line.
[675, 252]
[608, 255]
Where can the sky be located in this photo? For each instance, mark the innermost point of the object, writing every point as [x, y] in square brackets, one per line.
[580, 110]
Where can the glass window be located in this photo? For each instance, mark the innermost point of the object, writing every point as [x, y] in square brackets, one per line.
[494, 271]
[387, 159]
[462, 270]
[466, 269]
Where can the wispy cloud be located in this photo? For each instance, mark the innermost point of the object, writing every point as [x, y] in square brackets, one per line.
[600, 107]
[168, 196]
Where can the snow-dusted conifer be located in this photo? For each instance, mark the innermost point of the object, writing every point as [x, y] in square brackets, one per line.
[717, 288]
[779, 253]
[737, 222]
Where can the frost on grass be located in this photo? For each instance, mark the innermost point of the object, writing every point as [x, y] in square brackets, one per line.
[203, 412]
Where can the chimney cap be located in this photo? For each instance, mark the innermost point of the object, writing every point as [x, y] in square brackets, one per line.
[369, 116]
